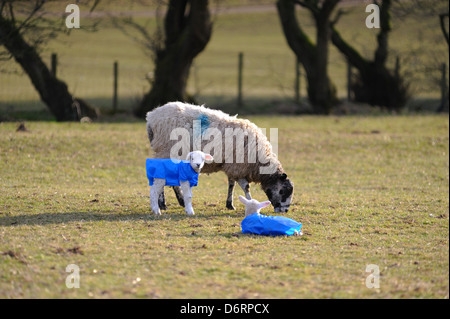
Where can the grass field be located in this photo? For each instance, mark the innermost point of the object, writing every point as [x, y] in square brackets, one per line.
[368, 190]
[86, 61]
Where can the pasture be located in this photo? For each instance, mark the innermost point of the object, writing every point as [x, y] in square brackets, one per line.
[368, 190]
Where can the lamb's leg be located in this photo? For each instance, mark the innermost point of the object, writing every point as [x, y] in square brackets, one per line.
[155, 190]
[179, 195]
[162, 201]
[245, 187]
[231, 184]
[187, 192]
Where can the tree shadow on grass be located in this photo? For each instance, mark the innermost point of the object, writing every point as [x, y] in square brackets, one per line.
[109, 216]
[65, 217]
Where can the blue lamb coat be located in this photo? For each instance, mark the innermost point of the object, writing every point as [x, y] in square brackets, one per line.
[269, 225]
[172, 171]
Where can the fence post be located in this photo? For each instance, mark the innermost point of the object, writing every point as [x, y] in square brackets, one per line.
[349, 81]
[397, 68]
[297, 80]
[54, 64]
[116, 74]
[444, 90]
[240, 66]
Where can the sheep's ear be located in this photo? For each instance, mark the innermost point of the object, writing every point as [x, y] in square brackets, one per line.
[283, 176]
[208, 158]
[243, 200]
[264, 204]
[189, 156]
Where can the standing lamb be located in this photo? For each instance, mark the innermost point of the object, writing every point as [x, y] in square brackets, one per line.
[197, 125]
[162, 172]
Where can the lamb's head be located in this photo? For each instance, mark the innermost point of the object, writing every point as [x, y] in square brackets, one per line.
[252, 206]
[279, 189]
[198, 159]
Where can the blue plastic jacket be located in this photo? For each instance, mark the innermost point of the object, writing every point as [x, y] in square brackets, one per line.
[172, 171]
[269, 225]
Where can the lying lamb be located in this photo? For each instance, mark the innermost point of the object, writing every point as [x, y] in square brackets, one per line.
[172, 117]
[167, 172]
[255, 223]
[252, 206]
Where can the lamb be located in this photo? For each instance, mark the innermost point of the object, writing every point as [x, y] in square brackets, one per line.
[252, 206]
[162, 172]
[214, 131]
[255, 223]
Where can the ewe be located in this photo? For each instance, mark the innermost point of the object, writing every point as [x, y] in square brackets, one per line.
[167, 123]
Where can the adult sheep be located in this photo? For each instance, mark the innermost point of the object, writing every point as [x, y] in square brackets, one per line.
[213, 131]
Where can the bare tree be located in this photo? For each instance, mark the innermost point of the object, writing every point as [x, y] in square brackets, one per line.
[23, 29]
[185, 32]
[313, 57]
[375, 83]
[437, 9]
[427, 67]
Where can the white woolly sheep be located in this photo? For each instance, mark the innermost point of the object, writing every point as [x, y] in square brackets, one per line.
[167, 172]
[197, 125]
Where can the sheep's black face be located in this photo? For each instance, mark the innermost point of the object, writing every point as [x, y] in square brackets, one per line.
[280, 193]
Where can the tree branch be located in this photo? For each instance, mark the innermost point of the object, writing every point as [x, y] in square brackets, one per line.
[298, 40]
[152, 44]
[442, 22]
[308, 4]
[381, 52]
[348, 51]
[328, 7]
[11, 13]
[338, 16]
[38, 6]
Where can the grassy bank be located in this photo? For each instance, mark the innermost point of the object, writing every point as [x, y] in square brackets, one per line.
[368, 190]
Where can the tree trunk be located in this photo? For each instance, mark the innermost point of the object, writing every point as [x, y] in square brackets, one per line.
[187, 28]
[53, 92]
[375, 84]
[322, 93]
[314, 58]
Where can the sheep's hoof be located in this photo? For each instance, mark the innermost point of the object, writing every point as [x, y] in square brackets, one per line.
[230, 206]
[162, 206]
[181, 202]
[157, 213]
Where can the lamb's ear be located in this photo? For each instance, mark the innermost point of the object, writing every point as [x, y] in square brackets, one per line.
[189, 156]
[208, 158]
[243, 200]
[264, 204]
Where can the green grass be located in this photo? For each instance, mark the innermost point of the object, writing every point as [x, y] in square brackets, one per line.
[368, 190]
[86, 62]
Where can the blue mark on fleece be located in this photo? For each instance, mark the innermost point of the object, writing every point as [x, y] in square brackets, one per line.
[204, 122]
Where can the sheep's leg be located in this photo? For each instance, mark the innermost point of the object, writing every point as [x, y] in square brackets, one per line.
[155, 190]
[245, 187]
[162, 201]
[231, 184]
[187, 192]
[179, 195]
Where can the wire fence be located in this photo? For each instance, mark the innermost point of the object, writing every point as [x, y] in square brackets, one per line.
[92, 80]
[248, 80]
